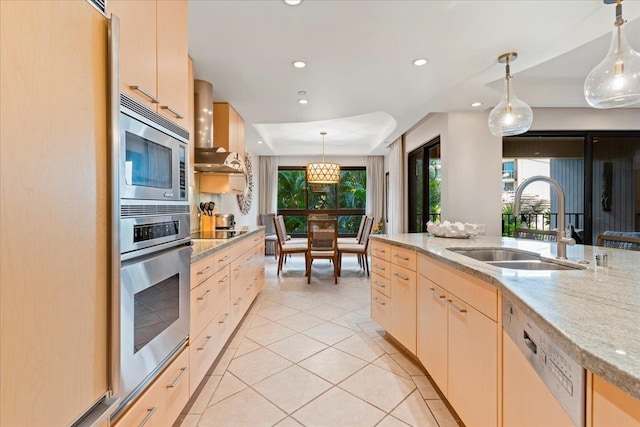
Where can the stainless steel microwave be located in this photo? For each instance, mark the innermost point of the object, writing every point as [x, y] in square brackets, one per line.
[153, 155]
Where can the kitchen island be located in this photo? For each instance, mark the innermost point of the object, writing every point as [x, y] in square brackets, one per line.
[591, 313]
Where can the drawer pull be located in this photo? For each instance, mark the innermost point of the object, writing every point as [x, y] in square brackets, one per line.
[248, 259]
[379, 268]
[177, 380]
[206, 342]
[224, 279]
[247, 288]
[401, 257]
[150, 413]
[220, 322]
[152, 98]
[224, 258]
[205, 295]
[382, 251]
[401, 277]
[172, 111]
[455, 307]
[380, 302]
[238, 302]
[436, 293]
[237, 268]
[379, 284]
[205, 270]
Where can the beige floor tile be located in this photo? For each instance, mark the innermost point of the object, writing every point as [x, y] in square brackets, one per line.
[228, 386]
[246, 346]
[288, 422]
[391, 421]
[257, 365]
[408, 364]
[243, 409]
[258, 321]
[352, 320]
[333, 365]
[292, 388]
[327, 312]
[426, 389]
[441, 413]
[276, 312]
[301, 321]
[338, 408]
[189, 420]
[329, 333]
[269, 333]
[199, 402]
[372, 329]
[387, 362]
[415, 412]
[362, 346]
[223, 361]
[300, 303]
[297, 347]
[378, 387]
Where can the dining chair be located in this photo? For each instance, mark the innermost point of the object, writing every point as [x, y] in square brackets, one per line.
[358, 234]
[318, 216]
[285, 249]
[322, 243]
[270, 238]
[360, 249]
[532, 234]
[618, 242]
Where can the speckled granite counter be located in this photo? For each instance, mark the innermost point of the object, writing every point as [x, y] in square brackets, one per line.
[592, 314]
[204, 247]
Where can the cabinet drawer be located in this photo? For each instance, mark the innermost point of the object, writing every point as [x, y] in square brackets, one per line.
[174, 387]
[403, 257]
[220, 259]
[481, 295]
[257, 238]
[380, 250]
[241, 271]
[381, 309]
[380, 284]
[201, 270]
[237, 250]
[403, 306]
[204, 349]
[145, 411]
[207, 299]
[381, 267]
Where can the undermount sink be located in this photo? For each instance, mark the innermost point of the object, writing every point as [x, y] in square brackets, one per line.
[512, 259]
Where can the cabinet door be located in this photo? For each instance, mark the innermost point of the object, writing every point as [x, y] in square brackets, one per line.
[380, 309]
[432, 330]
[137, 48]
[173, 86]
[473, 361]
[173, 387]
[612, 406]
[403, 306]
[526, 400]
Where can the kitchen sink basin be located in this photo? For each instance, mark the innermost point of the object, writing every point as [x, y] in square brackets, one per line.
[512, 259]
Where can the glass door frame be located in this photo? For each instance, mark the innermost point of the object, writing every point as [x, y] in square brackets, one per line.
[412, 185]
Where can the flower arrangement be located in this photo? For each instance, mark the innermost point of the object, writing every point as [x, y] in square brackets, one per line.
[379, 227]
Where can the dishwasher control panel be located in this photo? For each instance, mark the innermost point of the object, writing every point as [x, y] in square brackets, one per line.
[564, 377]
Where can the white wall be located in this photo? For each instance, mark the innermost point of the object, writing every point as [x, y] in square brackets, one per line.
[586, 119]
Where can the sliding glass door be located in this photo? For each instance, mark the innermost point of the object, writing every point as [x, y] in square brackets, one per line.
[424, 182]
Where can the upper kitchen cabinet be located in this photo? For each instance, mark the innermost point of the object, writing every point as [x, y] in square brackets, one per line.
[228, 128]
[153, 54]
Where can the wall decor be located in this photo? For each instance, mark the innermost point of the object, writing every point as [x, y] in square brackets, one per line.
[607, 186]
[244, 200]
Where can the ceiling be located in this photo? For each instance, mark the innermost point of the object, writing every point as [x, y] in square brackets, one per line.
[362, 87]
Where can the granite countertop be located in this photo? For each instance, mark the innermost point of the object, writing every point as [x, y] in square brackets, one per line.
[205, 247]
[593, 314]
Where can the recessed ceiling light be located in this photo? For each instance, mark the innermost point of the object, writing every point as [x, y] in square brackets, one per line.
[259, 142]
[299, 64]
[303, 101]
[476, 104]
[302, 92]
[293, 2]
[419, 62]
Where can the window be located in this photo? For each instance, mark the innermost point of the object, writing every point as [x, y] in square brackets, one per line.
[297, 199]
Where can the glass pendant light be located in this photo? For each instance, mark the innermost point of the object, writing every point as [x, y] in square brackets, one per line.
[511, 116]
[323, 173]
[615, 82]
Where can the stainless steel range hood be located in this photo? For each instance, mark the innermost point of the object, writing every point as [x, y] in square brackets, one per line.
[210, 159]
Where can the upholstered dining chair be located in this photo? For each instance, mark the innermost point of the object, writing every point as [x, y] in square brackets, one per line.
[284, 248]
[358, 234]
[533, 234]
[360, 249]
[322, 242]
[618, 242]
[318, 216]
[270, 237]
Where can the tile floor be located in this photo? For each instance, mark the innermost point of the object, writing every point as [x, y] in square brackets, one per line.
[310, 355]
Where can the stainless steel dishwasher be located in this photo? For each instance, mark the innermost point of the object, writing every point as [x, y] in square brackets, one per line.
[542, 385]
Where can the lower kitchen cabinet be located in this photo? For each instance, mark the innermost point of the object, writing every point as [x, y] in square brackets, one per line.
[403, 306]
[433, 330]
[381, 309]
[612, 406]
[161, 403]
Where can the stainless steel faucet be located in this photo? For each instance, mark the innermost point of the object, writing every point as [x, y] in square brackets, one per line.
[561, 240]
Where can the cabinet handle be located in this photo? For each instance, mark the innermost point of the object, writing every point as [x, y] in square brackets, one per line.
[237, 268]
[436, 293]
[172, 111]
[223, 258]
[224, 279]
[205, 270]
[150, 413]
[220, 322]
[247, 288]
[205, 295]
[455, 307]
[379, 284]
[380, 250]
[177, 380]
[380, 302]
[205, 343]
[401, 257]
[401, 277]
[248, 259]
[238, 302]
[379, 268]
[153, 99]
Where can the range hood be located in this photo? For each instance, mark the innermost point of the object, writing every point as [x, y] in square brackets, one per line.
[217, 160]
[210, 159]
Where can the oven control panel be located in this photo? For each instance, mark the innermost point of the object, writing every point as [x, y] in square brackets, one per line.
[155, 230]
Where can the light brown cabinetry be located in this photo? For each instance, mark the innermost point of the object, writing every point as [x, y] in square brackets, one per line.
[460, 350]
[380, 284]
[153, 54]
[612, 406]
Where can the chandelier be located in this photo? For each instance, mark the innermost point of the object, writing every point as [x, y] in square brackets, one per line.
[511, 116]
[615, 82]
[322, 172]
